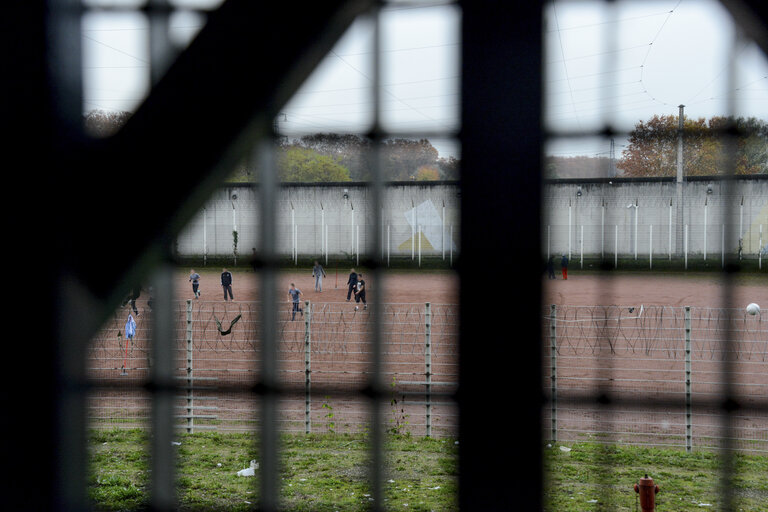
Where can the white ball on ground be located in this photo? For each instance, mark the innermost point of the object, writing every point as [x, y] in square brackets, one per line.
[355, 308]
[753, 309]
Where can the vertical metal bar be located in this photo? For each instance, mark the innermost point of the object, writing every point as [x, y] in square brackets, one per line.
[722, 246]
[163, 492]
[190, 373]
[428, 365]
[205, 237]
[377, 461]
[650, 243]
[688, 409]
[685, 246]
[357, 244]
[670, 230]
[307, 367]
[442, 231]
[553, 370]
[705, 229]
[570, 229]
[602, 231]
[616, 246]
[549, 241]
[389, 241]
[419, 235]
[269, 488]
[413, 233]
[581, 247]
[760, 250]
[451, 245]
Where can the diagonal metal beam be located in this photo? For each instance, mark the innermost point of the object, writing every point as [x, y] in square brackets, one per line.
[214, 101]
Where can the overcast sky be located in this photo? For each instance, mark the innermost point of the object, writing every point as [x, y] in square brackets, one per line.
[619, 66]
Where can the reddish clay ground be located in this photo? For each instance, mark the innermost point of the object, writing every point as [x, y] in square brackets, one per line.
[441, 287]
[696, 289]
[438, 287]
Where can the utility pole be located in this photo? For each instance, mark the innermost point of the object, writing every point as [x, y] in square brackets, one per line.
[680, 221]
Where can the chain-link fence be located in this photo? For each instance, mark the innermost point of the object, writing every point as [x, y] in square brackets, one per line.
[673, 357]
[325, 352]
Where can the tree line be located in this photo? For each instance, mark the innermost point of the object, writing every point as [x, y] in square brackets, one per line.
[328, 157]
[719, 145]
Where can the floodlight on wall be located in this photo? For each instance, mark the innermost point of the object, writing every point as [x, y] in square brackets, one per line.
[578, 192]
[709, 189]
[234, 197]
[346, 193]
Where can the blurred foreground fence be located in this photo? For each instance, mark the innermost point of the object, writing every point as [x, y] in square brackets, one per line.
[324, 357]
[666, 361]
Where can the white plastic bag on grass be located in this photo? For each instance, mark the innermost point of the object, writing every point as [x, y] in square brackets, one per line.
[249, 471]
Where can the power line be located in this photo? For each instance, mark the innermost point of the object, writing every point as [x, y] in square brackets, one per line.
[562, 52]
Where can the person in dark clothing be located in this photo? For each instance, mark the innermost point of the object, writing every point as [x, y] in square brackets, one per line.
[226, 284]
[564, 266]
[360, 292]
[551, 267]
[352, 284]
[131, 299]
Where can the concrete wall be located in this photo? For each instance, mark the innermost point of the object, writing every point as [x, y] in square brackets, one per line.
[717, 214]
[325, 220]
[597, 222]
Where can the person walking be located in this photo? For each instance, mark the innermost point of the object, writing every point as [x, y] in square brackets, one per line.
[294, 295]
[360, 292]
[318, 273]
[131, 299]
[226, 284]
[564, 266]
[551, 267]
[194, 277]
[352, 284]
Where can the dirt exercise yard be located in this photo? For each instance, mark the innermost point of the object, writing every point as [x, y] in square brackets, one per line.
[625, 329]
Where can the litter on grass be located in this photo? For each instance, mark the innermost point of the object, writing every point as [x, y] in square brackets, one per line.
[249, 471]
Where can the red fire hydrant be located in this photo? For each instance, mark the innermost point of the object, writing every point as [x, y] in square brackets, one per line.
[647, 491]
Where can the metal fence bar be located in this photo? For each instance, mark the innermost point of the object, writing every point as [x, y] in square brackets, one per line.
[428, 365]
[190, 373]
[688, 412]
[553, 369]
[307, 368]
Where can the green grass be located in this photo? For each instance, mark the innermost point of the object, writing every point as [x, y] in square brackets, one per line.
[607, 474]
[320, 472]
[327, 472]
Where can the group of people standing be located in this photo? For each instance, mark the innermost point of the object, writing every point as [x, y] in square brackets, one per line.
[563, 267]
[226, 284]
[355, 286]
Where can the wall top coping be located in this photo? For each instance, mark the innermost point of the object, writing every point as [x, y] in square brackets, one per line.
[338, 184]
[663, 179]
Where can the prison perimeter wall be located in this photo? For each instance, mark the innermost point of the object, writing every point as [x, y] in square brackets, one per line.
[620, 217]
